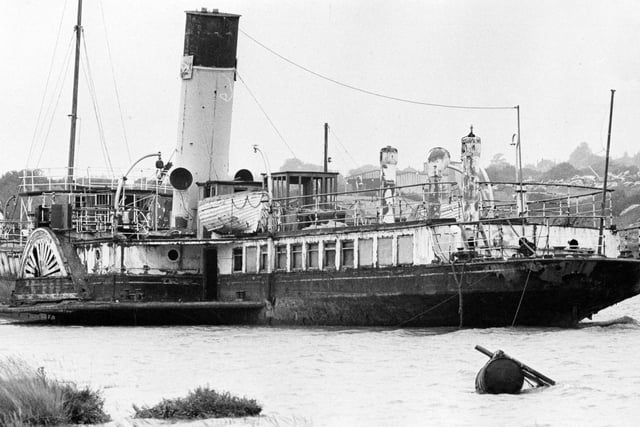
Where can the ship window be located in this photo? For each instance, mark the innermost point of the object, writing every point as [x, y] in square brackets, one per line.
[385, 251]
[405, 249]
[264, 258]
[296, 256]
[312, 255]
[252, 259]
[329, 258]
[281, 257]
[103, 200]
[237, 259]
[347, 258]
[80, 201]
[365, 252]
[173, 254]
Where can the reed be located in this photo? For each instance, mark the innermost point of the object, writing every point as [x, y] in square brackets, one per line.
[28, 397]
[200, 403]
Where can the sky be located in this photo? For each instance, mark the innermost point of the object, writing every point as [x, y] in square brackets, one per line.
[558, 60]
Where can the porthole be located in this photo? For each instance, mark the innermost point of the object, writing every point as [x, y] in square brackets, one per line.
[98, 254]
[173, 254]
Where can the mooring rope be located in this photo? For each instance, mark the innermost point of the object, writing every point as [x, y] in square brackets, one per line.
[433, 307]
[460, 304]
[536, 238]
[245, 201]
[460, 300]
[426, 311]
[521, 297]
[257, 204]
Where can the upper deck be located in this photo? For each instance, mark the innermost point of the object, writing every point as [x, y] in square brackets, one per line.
[301, 202]
[39, 181]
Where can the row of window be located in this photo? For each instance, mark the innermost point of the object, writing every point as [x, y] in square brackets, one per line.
[323, 255]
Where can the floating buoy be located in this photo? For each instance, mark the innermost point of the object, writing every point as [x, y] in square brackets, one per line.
[504, 374]
[500, 375]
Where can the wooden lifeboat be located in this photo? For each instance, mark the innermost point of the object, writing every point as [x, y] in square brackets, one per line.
[233, 213]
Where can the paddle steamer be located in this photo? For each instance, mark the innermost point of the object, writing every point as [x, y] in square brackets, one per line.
[191, 244]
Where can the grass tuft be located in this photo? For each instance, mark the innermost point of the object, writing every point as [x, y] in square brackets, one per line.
[202, 402]
[28, 397]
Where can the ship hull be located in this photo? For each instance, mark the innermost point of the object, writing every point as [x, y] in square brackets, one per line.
[525, 292]
[7, 286]
[534, 292]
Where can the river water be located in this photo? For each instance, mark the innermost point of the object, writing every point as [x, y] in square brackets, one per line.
[359, 377]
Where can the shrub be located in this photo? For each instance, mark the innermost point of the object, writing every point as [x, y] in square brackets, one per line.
[83, 406]
[203, 402]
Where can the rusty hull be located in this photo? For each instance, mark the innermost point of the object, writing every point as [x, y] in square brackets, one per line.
[554, 292]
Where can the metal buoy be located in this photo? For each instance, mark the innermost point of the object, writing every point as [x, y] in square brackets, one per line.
[504, 374]
[500, 375]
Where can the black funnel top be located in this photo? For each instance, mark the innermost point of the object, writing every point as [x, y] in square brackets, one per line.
[211, 38]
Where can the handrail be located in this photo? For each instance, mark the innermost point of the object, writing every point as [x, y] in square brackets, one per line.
[373, 190]
[123, 180]
[546, 184]
[48, 180]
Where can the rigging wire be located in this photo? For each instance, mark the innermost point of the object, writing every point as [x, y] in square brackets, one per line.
[46, 86]
[337, 160]
[86, 70]
[115, 85]
[372, 93]
[343, 147]
[266, 115]
[55, 100]
[210, 147]
[94, 99]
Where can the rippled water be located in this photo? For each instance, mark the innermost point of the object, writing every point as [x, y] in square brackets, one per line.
[356, 377]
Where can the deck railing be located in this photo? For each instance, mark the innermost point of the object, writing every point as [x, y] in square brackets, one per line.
[510, 239]
[14, 231]
[560, 204]
[555, 204]
[363, 207]
[51, 180]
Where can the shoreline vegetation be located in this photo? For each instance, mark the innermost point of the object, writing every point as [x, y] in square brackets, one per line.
[28, 397]
[201, 403]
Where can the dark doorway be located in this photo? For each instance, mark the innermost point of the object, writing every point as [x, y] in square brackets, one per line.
[210, 273]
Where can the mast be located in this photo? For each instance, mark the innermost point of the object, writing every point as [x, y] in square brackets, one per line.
[521, 196]
[522, 208]
[326, 147]
[606, 174]
[74, 99]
